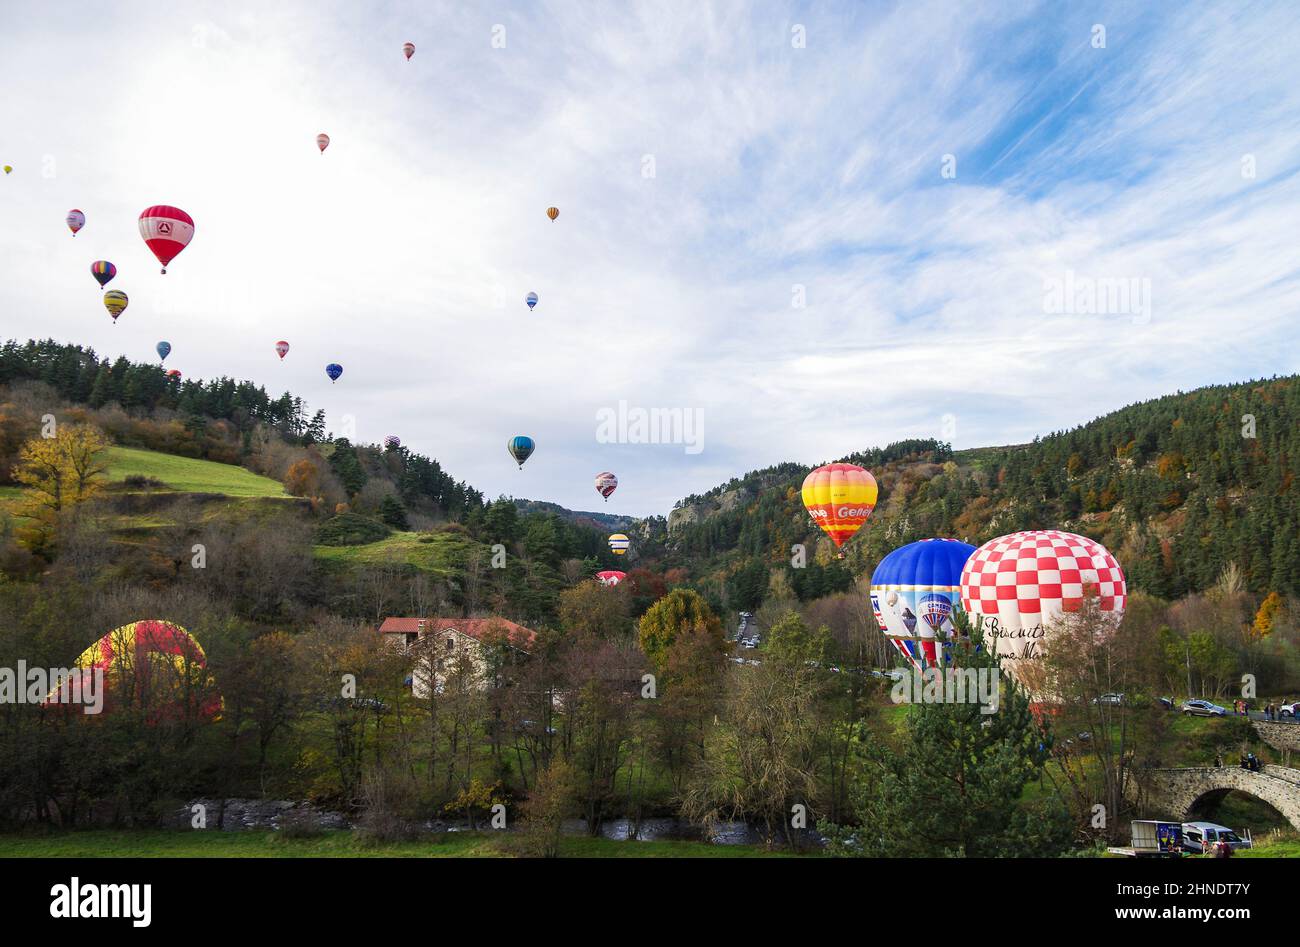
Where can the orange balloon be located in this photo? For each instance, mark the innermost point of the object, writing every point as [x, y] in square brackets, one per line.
[840, 497]
[552, 212]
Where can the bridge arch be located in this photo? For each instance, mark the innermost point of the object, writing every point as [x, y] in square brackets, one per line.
[1177, 792]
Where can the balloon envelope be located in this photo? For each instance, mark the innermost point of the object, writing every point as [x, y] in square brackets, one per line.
[392, 441]
[163, 349]
[611, 576]
[409, 49]
[115, 302]
[103, 271]
[153, 666]
[552, 212]
[76, 220]
[521, 447]
[618, 544]
[322, 142]
[282, 349]
[839, 497]
[1023, 584]
[606, 483]
[166, 231]
[334, 370]
[531, 299]
[913, 592]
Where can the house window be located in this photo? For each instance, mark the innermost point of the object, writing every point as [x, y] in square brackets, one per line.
[451, 643]
[412, 638]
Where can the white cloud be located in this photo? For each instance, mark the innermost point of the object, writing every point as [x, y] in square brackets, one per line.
[775, 166]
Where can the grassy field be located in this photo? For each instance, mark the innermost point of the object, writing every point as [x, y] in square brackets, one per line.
[189, 475]
[439, 553]
[159, 843]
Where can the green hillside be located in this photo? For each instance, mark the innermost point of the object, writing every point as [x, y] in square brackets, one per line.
[188, 474]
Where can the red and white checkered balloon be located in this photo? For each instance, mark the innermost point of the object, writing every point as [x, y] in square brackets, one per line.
[1022, 583]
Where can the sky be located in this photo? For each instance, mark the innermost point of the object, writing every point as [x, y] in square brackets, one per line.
[809, 228]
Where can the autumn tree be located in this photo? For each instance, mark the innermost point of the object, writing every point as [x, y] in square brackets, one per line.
[680, 612]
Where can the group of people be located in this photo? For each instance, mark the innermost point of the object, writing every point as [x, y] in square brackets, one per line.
[1271, 710]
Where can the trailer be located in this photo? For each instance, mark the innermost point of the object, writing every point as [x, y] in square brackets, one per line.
[1153, 838]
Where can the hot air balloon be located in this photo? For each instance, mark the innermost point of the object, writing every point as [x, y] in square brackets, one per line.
[839, 497]
[115, 301]
[409, 49]
[552, 212]
[9, 169]
[322, 142]
[392, 442]
[163, 349]
[152, 666]
[282, 349]
[531, 299]
[606, 483]
[174, 373]
[611, 577]
[618, 544]
[921, 580]
[76, 220]
[521, 447]
[334, 370]
[166, 231]
[103, 271]
[1024, 583]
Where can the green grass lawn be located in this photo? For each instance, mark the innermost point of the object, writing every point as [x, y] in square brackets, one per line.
[443, 553]
[161, 843]
[189, 475]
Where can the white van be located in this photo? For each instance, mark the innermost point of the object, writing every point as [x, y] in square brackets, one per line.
[1203, 836]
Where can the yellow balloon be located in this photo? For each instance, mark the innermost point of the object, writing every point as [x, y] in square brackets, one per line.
[8, 168]
[115, 301]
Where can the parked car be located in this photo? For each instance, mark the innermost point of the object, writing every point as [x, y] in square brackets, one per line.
[1203, 836]
[1203, 708]
[1113, 699]
[1166, 702]
[1288, 710]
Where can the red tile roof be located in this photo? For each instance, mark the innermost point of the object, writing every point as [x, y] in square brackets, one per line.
[520, 636]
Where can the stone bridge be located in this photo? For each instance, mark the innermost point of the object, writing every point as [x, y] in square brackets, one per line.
[1175, 792]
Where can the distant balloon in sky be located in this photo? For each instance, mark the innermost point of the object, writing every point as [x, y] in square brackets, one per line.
[839, 497]
[552, 212]
[618, 544]
[166, 231]
[103, 271]
[322, 142]
[76, 220]
[392, 442]
[606, 483]
[531, 299]
[521, 447]
[8, 168]
[163, 349]
[115, 302]
[409, 49]
[334, 370]
[282, 349]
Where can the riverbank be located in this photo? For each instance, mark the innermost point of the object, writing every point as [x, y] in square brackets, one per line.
[258, 843]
